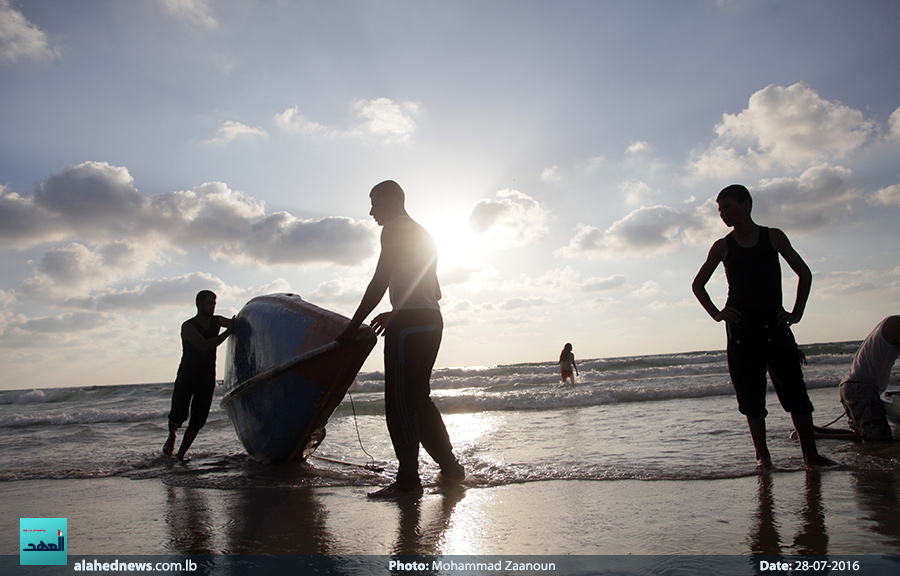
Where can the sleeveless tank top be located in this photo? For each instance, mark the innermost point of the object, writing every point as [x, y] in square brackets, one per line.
[754, 278]
[196, 364]
[874, 360]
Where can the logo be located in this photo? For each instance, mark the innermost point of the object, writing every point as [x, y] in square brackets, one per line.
[42, 541]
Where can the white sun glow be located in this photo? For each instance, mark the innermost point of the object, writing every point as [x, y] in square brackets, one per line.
[457, 245]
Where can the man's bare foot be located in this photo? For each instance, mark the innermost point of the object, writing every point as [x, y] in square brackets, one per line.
[765, 464]
[169, 446]
[819, 460]
[397, 492]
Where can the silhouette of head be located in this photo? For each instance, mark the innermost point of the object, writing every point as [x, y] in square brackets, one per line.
[387, 201]
[736, 192]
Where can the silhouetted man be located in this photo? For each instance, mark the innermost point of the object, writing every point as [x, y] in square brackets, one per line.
[412, 336]
[196, 378]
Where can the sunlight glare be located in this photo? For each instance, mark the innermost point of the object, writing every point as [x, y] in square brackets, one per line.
[457, 245]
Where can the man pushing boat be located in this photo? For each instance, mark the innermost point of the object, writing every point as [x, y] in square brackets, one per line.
[196, 378]
[412, 330]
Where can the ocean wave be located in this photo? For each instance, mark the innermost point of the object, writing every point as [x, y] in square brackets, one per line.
[89, 416]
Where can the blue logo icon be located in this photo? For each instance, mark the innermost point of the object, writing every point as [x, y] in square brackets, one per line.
[42, 541]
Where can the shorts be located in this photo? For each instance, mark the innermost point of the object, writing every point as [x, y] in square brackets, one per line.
[565, 375]
[755, 349]
[194, 396]
[864, 407]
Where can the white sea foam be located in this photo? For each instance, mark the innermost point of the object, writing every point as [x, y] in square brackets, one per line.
[647, 417]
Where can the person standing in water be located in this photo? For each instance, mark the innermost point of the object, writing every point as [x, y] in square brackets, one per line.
[567, 365]
[195, 381]
[756, 323]
[412, 336]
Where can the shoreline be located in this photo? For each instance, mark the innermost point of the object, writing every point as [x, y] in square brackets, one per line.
[817, 512]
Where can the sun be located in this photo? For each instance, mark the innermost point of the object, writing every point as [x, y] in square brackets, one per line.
[457, 245]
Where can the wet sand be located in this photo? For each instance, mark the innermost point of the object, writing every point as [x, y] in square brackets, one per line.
[835, 512]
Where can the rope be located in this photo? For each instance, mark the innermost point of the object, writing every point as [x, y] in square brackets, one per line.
[371, 465]
[835, 420]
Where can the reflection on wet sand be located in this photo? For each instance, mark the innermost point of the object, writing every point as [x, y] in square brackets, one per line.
[293, 521]
[416, 537]
[811, 538]
[878, 495]
[189, 521]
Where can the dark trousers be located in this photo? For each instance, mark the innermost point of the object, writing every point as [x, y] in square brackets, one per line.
[191, 396]
[754, 349]
[411, 344]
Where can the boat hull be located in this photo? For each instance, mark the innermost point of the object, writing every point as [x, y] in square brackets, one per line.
[280, 415]
[892, 407]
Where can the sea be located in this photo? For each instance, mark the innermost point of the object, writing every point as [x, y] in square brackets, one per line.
[658, 417]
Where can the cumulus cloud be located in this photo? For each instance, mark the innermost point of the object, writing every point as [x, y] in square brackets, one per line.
[381, 120]
[512, 219]
[77, 269]
[889, 196]
[291, 120]
[20, 39]
[229, 131]
[284, 239]
[791, 127]
[820, 196]
[894, 124]
[648, 231]
[196, 11]
[117, 233]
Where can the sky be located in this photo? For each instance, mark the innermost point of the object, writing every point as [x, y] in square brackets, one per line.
[564, 155]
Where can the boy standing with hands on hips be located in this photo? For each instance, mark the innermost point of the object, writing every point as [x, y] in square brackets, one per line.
[757, 325]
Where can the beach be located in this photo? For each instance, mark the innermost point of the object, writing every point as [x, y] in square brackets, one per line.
[830, 512]
[643, 458]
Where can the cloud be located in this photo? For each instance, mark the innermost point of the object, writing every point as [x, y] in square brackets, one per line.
[842, 284]
[636, 193]
[889, 196]
[603, 284]
[229, 131]
[20, 39]
[782, 127]
[638, 147]
[292, 121]
[647, 231]
[386, 120]
[172, 292]
[550, 174]
[75, 269]
[381, 120]
[98, 202]
[284, 239]
[196, 11]
[63, 323]
[894, 124]
[513, 219]
[820, 196]
[116, 233]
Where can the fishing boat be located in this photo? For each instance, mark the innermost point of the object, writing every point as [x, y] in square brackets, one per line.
[891, 399]
[285, 374]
